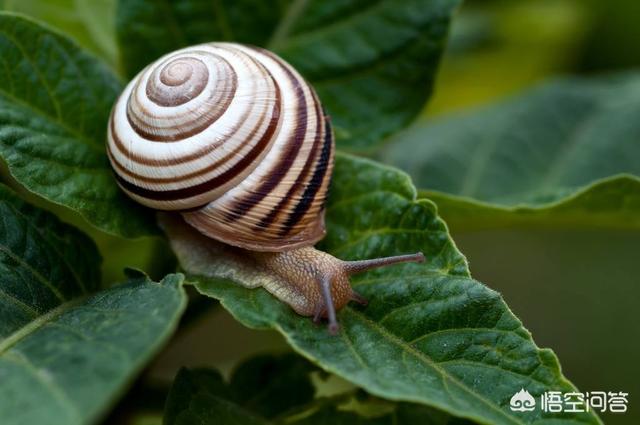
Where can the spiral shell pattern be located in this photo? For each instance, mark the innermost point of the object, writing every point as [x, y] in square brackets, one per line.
[233, 138]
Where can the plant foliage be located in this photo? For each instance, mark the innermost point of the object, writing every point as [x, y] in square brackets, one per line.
[67, 348]
[563, 153]
[434, 345]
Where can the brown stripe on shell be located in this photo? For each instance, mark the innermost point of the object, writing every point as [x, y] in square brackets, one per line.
[277, 173]
[155, 161]
[175, 179]
[174, 94]
[132, 156]
[138, 115]
[331, 155]
[283, 205]
[207, 150]
[311, 190]
[221, 179]
[205, 122]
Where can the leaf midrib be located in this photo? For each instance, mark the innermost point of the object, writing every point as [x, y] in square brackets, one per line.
[53, 386]
[572, 142]
[392, 339]
[549, 178]
[405, 348]
[19, 303]
[36, 274]
[356, 70]
[223, 20]
[45, 116]
[282, 31]
[327, 28]
[29, 107]
[171, 22]
[37, 323]
[54, 248]
[36, 69]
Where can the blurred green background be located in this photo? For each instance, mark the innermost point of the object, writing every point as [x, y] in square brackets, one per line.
[576, 291]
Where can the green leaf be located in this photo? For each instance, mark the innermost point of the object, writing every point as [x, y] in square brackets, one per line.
[201, 396]
[402, 414]
[431, 334]
[272, 385]
[69, 365]
[565, 153]
[43, 263]
[89, 22]
[372, 62]
[67, 351]
[611, 202]
[262, 387]
[147, 29]
[54, 105]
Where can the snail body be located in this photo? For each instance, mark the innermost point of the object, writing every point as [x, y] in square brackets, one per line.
[236, 141]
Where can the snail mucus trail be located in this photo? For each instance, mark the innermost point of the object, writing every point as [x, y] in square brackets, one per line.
[234, 140]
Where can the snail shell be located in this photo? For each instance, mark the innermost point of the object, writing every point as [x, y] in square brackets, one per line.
[236, 141]
[232, 137]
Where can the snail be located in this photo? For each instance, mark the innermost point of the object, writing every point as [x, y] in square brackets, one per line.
[233, 139]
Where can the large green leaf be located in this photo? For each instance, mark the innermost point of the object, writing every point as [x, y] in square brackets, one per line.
[431, 334]
[147, 29]
[54, 105]
[89, 22]
[372, 62]
[566, 153]
[611, 202]
[66, 351]
[270, 389]
[200, 396]
[43, 263]
[264, 386]
[69, 365]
